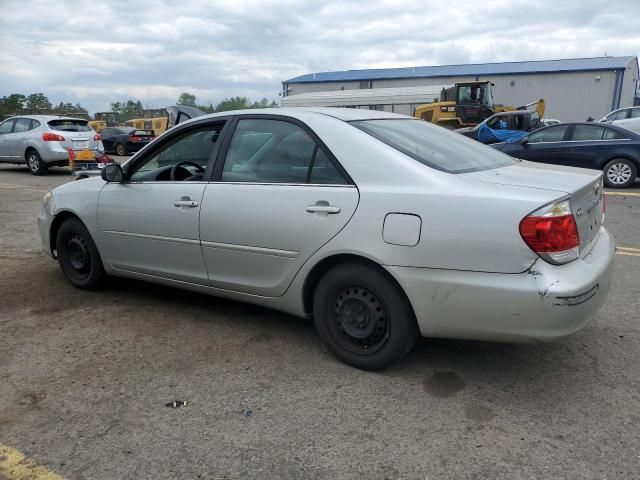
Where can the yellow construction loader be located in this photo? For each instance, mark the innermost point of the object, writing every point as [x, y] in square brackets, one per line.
[104, 120]
[467, 104]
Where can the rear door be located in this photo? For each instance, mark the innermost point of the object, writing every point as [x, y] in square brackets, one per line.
[588, 145]
[18, 138]
[278, 195]
[546, 145]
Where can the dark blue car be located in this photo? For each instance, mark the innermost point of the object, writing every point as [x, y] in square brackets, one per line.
[612, 149]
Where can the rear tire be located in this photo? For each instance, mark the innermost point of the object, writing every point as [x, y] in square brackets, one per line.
[120, 150]
[363, 317]
[35, 163]
[620, 173]
[78, 256]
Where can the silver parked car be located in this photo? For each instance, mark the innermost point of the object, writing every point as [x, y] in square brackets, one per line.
[379, 226]
[42, 141]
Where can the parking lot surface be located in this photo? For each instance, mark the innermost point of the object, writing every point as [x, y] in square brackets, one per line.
[85, 378]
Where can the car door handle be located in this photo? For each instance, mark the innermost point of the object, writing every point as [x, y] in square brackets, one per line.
[185, 202]
[323, 209]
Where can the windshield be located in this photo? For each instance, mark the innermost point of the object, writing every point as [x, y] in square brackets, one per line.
[434, 146]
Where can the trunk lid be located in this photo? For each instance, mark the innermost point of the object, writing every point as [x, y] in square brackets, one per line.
[583, 186]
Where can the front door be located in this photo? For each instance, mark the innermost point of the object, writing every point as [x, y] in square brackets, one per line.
[546, 145]
[149, 224]
[279, 196]
[5, 135]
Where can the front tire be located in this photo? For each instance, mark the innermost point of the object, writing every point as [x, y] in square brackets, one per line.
[78, 256]
[35, 163]
[363, 317]
[620, 173]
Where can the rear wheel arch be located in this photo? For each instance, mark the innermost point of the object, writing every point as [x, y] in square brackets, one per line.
[27, 150]
[623, 156]
[326, 264]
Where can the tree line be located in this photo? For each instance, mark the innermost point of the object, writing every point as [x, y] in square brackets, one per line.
[231, 103]
[34, 103]
[19, 104]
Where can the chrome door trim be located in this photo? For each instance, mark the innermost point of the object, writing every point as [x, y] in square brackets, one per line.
[186, 241]
[251, 249]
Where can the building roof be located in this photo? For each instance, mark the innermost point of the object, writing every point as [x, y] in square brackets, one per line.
[504, 68]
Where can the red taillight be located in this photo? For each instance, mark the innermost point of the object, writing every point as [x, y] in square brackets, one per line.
[97, 137]
[52, 137]
[552, 233]
[134, 139]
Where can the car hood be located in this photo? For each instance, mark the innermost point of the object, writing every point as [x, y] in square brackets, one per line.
[464, 130]
[541, 176]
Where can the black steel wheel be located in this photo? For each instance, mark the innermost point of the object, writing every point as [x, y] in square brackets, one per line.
[361, 321]
[78, 255]
[363, 316]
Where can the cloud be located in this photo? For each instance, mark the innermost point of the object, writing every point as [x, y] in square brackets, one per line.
[153, 51]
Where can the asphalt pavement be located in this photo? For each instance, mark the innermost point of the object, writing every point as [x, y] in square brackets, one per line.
[85, 378]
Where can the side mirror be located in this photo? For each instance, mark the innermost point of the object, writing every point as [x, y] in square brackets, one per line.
[524, 141]
[112, 173]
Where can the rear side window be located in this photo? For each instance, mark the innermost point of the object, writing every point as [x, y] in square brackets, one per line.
[434, 146]
[587, 132]
[275, 151]
[613, 135]
[551, 134]
[65, 125]
[22, 125]
[324, 171]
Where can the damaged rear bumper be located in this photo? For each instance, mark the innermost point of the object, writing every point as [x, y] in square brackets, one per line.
[546, 303]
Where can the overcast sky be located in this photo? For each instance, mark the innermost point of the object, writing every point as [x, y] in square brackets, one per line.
[96, 52]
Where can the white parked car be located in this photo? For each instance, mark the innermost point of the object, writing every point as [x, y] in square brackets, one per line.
[628, 118]
[43, 141]
[379, 226]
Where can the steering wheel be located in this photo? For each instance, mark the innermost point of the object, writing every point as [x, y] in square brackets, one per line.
[177, 166]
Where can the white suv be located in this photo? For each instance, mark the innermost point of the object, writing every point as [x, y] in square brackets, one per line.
[42, 141]
[628, 118]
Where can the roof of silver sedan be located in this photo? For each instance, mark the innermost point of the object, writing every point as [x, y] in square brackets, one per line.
[345, 114]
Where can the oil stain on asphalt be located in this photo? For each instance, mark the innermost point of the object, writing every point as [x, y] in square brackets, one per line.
[443, 384]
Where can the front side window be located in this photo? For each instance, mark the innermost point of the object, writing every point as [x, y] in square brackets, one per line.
[6, 127]
[434, 146]
[193, 150]
[635, 113]
[551, 134]
[22, 125]
[587, 132]
[268, 151]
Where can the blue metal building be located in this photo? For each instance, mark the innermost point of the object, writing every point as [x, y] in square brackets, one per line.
[573, 89]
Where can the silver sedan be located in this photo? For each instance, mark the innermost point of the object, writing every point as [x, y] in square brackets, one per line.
[379, 226]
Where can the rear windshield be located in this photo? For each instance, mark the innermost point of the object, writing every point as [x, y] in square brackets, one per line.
[434, 146]
[62, 125]
[143, 133]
